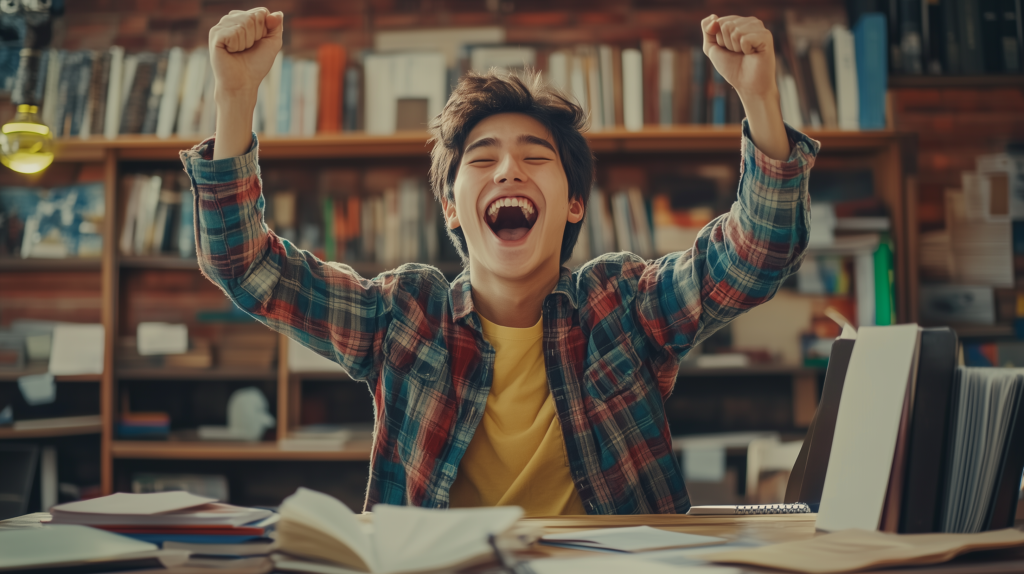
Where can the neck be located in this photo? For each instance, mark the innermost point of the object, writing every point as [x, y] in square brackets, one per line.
[512, 302]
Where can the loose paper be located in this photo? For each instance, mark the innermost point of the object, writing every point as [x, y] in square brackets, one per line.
[37, 389]
[161, 338]
[126, 503]
[704, 464]
[630, 539]
[77, 349]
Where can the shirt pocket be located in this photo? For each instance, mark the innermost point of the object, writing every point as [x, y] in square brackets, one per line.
[409, 355]
[614, 371]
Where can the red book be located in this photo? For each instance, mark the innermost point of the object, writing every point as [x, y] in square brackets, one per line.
[332, 59]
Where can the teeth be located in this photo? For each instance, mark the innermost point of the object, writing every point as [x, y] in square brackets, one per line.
[529, 210]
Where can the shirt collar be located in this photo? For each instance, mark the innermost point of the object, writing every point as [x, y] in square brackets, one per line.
[460, 296]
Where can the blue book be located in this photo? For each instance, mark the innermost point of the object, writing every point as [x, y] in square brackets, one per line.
[718, 88]
[284, 98]
[870, 38]
[186, 226]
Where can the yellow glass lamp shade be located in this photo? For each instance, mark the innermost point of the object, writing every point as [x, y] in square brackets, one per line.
[26, 143]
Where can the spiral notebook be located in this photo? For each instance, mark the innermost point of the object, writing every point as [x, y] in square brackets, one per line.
[750, 509]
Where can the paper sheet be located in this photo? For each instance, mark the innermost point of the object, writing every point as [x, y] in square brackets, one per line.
[618, 565]
[77, 349]
[161, 338]
[126, 503]
[631, 539]
[38, 389]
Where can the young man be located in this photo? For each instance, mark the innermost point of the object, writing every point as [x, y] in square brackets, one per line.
[519, 383]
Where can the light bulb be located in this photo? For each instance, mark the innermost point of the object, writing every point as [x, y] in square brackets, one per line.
[26, 143]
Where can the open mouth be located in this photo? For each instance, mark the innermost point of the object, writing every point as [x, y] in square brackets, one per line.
[511, 218]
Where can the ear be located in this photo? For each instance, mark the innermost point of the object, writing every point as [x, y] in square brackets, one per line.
[575, 211]
[450, 217]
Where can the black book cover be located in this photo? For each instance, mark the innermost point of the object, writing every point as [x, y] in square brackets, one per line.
[1010, 31]
[134, 109]
[991, 36]
[808, 477]
[81, 95]
[927, 442]
[98, 93]
[951, 31]
[65, 93]
[156, 95]
[971, 60]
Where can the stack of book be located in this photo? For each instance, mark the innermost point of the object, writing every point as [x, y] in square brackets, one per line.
[176, 520]
[158, 216]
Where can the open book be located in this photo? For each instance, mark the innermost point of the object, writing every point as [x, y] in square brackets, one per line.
[396, 539]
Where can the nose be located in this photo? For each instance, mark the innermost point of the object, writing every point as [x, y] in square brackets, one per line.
[509, 170]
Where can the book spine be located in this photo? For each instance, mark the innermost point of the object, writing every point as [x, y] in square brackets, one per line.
[971, 57]
[951, 34]
[698, 90]
[1002, 511]
[284, 101]
[885, 311]
[649, 49]
[1010, 45]
[156, 95]
[98, 93]
[991, 36]
[869, 37]
[632, 89]
[910, 37]
[717, 97]
[666, 84]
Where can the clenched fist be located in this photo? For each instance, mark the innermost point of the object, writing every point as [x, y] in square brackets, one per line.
[243, 46]
[742, 51]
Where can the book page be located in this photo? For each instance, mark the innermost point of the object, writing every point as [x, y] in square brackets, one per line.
[307, 514]
[410, 539]
[867, 427]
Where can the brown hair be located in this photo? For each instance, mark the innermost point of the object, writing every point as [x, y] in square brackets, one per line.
[478, 96]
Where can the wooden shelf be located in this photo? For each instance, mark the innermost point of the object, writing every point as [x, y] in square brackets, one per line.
[185, 450]
[678, 138]
[183, 374]
[10, 376]
[751, 371]
[78, 427]
[986, 81]
[66, 264]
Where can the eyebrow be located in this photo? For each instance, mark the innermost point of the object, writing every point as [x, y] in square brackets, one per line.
[522, 139]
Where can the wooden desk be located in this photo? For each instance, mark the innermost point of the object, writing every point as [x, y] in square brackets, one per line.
[770, 529]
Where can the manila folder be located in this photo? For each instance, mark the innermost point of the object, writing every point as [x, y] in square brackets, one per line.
[854, 550]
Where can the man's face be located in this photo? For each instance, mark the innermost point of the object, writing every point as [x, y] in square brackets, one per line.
[512, 196]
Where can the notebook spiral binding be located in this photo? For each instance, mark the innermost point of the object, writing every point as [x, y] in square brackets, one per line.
[795, 508]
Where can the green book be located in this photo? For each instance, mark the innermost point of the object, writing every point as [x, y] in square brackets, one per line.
[885, 308]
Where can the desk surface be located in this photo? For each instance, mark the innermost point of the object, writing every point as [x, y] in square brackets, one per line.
[770, 529]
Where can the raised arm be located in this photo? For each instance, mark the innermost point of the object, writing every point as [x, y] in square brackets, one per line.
[742, 257]
[325, 306]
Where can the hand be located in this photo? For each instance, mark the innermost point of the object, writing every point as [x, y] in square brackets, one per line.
[243, 46]
[742, 51]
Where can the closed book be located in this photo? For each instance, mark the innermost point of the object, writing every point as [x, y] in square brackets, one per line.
[872, 69]
[115, 78]
[808, 476]
[54, 67]
[933, 34]
[169, 100]
[332, 59]
[698, 89]
[1002, 511]
[352, 107]
[632, 89]
[840, 44]
[284, 97]
[137, 100]
[972, 61]
[681, 93]
[192, 87]
[910, 37]
[82, 82]
[990, 21]
[716, 98]
[926, 461]
[605, 61]
[1011, 32]
[156, 94]
[951, 37]
[219, 545]
[823, 87]
[666, 85]
[97, 107]
[649, 49]
[64, 104]
[617, 85]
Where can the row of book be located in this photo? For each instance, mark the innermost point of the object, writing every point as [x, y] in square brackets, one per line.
[828, 77]
[951, 37]
[111, 92]
[969, 266]
[158, 216]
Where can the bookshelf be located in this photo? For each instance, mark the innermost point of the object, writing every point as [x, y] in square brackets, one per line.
[877, 151]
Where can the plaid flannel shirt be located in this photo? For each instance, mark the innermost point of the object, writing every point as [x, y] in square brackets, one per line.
[614, 330]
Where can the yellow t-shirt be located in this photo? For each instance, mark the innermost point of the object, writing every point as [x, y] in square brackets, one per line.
[517, 456]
